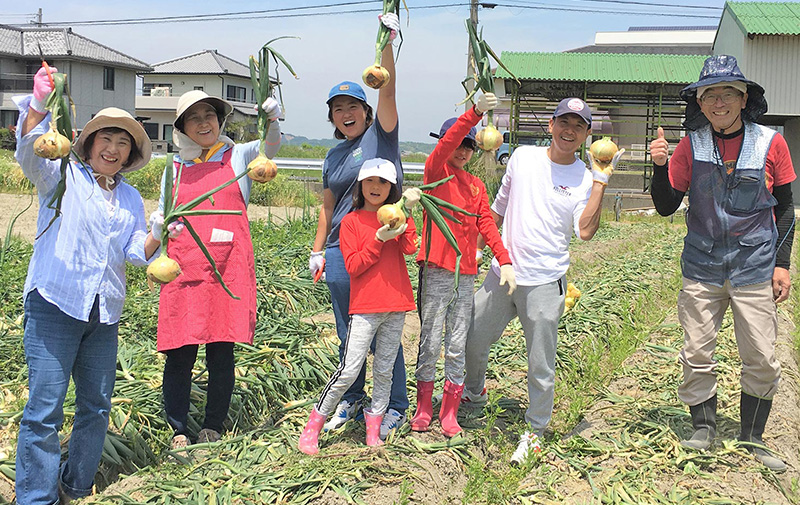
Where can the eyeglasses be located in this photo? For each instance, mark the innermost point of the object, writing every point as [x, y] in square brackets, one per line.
[727, 98]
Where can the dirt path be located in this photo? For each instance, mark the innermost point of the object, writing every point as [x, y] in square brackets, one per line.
[25, 225]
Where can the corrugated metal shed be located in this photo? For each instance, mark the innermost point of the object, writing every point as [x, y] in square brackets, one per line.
[605, 67]
[62, 43]
[204, 62]
[767, 18]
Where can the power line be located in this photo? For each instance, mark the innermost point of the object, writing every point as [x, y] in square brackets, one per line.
[595, 11]
[630, 2]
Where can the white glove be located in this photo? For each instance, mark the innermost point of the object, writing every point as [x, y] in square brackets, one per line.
[316, 262]
[486, 102]
[600, 173]
[392, 22]
[174, 229]
[412, 197]
[507, 277]
[272, 108]
[384, 233]
[478, 255]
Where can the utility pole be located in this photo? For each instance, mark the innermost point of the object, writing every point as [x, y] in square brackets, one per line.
[473, 19]
[39, 17]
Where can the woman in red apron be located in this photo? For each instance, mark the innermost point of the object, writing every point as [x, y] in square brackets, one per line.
[194, 309]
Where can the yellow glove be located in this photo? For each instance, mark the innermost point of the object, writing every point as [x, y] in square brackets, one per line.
[507, 277]
[601, 172]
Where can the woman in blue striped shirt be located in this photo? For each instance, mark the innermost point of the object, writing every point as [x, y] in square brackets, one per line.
[74, 293]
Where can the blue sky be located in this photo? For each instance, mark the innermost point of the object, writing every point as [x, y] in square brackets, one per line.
[338, 47]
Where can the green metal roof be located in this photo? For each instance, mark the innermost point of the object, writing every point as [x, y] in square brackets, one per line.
[603, 67]
[767, 18]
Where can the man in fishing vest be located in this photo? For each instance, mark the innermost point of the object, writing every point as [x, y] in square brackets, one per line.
[740, 227]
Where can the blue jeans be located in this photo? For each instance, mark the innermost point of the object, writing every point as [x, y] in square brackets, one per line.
[58, 346]
[338, 281]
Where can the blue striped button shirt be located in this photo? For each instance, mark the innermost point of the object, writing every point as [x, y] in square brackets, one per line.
[82, 255]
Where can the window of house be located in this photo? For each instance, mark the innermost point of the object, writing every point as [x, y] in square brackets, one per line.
[108, 78]
[149, 87]
[237, 93]
[198, 88]
[168, 136]
[152, 130]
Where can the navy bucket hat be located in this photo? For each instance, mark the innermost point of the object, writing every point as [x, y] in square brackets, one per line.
[722, 69]
[450, 122]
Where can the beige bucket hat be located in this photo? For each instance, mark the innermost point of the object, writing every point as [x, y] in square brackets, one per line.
[190, 98]
[112, 117]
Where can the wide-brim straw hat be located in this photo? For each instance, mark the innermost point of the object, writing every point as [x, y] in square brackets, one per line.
[224, 109]
[722, 69]
[112, 117]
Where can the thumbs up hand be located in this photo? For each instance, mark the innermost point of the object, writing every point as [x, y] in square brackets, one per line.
[659, 149]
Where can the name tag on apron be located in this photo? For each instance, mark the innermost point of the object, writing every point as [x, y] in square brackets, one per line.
[218, 235]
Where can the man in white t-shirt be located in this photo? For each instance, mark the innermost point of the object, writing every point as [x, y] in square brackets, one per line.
[546, 193]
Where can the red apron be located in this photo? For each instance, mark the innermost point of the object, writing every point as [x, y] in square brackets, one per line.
[194, 308]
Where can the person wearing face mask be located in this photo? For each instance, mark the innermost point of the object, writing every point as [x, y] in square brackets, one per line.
[546, 195]
[738, 245]
[195, 309]
[365, 134]
[74, 292]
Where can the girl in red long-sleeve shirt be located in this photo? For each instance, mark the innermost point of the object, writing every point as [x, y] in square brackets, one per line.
[380, 295]
[438, 308]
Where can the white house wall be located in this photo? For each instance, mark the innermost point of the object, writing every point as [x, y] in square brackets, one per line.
[214, 85]
[730, 39]
[773, 61]
[86, 87]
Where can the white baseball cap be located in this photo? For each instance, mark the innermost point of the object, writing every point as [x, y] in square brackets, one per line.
[378, 167]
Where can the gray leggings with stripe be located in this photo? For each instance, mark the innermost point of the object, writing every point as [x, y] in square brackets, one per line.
[387, 330]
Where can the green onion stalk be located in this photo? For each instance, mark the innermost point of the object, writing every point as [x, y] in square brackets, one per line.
[57, 142]
[164, 269]
[438, 212]
[263, 169]
[489, 139]
[375, 76]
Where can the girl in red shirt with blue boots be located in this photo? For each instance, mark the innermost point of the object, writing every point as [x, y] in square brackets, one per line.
[380, 296]
[438, 309]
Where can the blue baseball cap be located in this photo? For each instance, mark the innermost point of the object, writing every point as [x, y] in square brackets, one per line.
[574, 106]
[450, 122]
[347, 88]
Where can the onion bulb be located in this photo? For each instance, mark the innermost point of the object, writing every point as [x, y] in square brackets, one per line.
[375, 76]
[603, 150]
[262, 169]
[163, 270]
[392, 214]
[52, 145]
[489, 139]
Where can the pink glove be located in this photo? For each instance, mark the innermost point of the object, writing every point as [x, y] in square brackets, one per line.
[175, 228]
[41, 88]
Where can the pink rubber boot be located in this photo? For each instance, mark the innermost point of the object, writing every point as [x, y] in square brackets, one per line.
[448, 414]
[422, 418]
[309, 440]
[373, 422]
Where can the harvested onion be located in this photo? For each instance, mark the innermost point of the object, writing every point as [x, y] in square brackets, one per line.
[603, 150]
[262, 169]
[163, 270]
[489, 138]
[52, 145]
[392, 214]
[375, 76]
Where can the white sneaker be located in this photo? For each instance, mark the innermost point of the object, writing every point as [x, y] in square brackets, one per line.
[344, 412]
[392, 420]
[528, 443]
[468, 398]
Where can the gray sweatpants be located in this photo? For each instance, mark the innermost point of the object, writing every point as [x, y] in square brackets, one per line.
[387, 329]
[539, 308]
[434, 294]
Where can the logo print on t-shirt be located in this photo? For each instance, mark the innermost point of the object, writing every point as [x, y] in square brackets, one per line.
[562, 190]
[474, 190]
[357, 154]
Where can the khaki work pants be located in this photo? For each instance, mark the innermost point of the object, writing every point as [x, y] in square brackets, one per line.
[701, 308]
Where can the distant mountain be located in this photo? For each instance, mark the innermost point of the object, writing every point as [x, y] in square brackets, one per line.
[405, 147]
